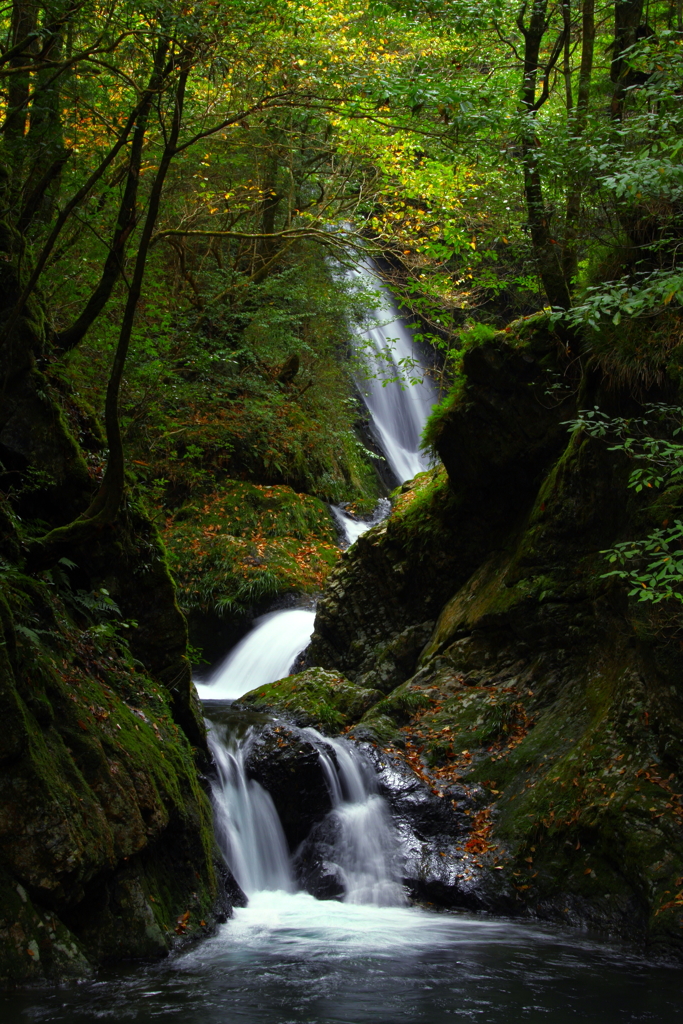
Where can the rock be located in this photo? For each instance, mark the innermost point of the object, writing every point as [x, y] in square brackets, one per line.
[287, 765]
[289, 369]
[315, 866]
[316, 697]
[544, 703]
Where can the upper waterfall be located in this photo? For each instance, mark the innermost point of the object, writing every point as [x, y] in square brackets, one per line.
[398, 411]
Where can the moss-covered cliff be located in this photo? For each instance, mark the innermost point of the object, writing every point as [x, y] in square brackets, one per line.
[520, 684]
[106, 844]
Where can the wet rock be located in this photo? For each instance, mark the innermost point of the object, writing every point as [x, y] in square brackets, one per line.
[287, 765]
[105, 831]
[429, 829]
[315, 866]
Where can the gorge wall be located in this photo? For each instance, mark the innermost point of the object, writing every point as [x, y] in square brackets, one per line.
[472, 642]
[106, 841]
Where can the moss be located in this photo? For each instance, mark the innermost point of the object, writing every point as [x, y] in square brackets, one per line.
[34, 944]
[99, 782]
[421, 507]
[441, 413]
[315, 697]
[399, 707]
[541, 705]
[247, 544]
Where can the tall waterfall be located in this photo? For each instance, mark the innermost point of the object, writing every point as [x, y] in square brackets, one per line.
[398, 413]
[359, 841]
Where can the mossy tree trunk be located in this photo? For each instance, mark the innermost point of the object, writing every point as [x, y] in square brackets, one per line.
[546, 247]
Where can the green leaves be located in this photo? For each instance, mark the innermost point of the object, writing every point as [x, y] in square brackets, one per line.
[652, 567]
[631, 296]
[659, 460]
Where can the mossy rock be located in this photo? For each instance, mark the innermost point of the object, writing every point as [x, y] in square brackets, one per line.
[542, 690]
[103, 822]
[245, 545]
[326, 700]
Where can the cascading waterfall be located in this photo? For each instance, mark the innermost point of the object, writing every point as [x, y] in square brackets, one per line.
[265, 654]
[398, 413]
[362, 849]
[248, 828]
[352, 528]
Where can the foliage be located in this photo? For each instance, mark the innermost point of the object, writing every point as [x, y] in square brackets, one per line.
[247, 543]
[652, 567]
[658, 460]
[204, 396]
[176, 181]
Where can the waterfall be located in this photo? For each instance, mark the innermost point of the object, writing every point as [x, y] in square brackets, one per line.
[398, 413]
[357, 835]
[363, 847]
[351, 527]
[248, 828]
[265, 654]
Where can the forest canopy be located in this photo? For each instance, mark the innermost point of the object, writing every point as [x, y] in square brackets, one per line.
[169, 172]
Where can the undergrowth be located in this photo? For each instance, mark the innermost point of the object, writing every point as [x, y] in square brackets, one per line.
[246, 543]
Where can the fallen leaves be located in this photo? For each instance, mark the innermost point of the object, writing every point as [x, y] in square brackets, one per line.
[182, 923]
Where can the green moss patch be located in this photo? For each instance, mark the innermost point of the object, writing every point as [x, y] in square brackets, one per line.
[105, 822]
[326, 700]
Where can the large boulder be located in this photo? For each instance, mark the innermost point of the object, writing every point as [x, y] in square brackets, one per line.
[287, 764]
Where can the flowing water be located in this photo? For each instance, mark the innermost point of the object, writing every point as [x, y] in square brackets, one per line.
[367, 958]
[352, 527]
[247, 825]
[398, 411]
[288, 958]
[265, 654]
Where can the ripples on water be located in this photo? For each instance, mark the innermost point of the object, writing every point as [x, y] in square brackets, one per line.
[290, 959]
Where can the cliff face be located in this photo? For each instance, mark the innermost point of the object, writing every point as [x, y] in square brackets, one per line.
[522, 688]
[106, 845]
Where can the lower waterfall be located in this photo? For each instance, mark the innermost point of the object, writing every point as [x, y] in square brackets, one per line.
[360, 846]
[248, 829]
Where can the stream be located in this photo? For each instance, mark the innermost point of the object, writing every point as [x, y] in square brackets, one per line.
[367, 956]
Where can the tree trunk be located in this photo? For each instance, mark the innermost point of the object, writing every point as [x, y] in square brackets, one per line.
[628, 16]
[24, 21]
[578, 124]
[106, 503]
[126, 220]
[546, 249]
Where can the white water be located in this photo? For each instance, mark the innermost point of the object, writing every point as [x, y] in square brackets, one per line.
[248, 829]
[322, 928]
[398, 414]
[365, 847]
[265, 654]
[360, 845]
[352, 528]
